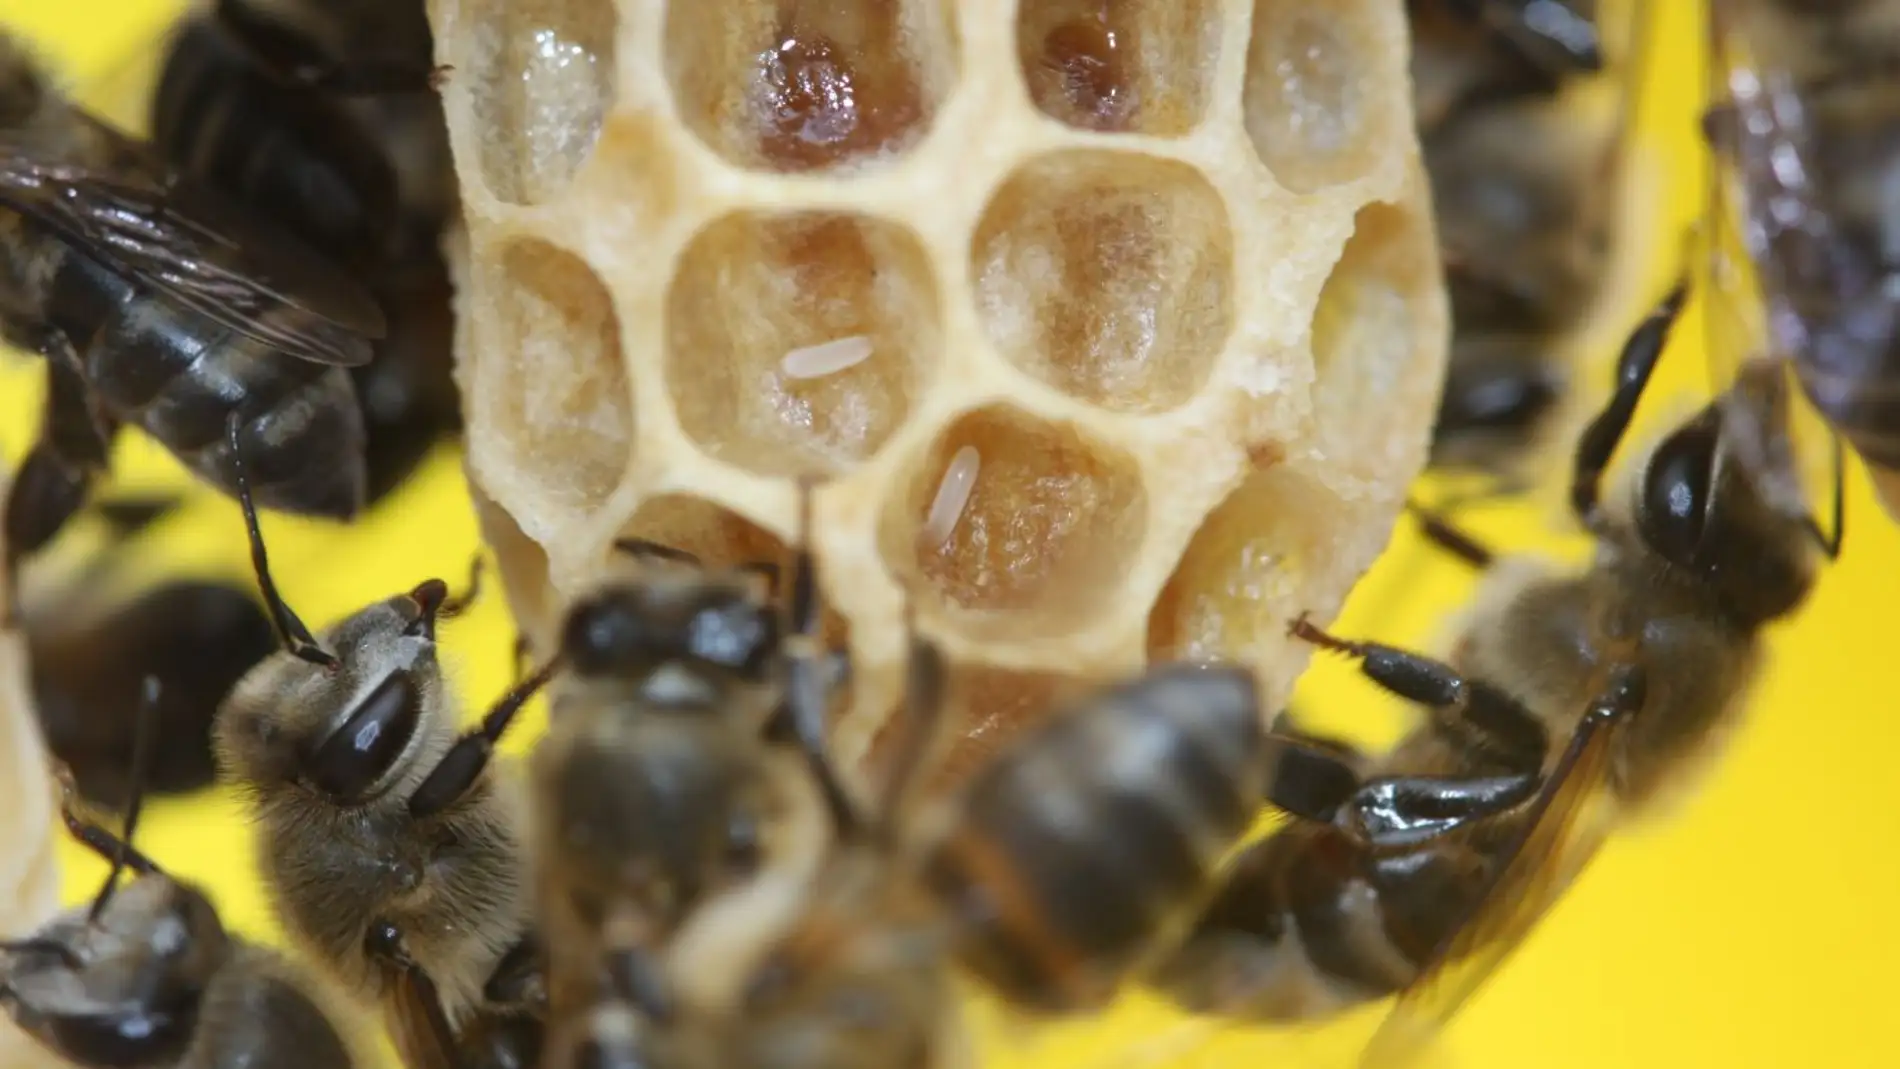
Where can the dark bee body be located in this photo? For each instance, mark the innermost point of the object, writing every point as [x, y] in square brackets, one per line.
[1818, 86]
[157, 302]
[365, 179]
[1571, 699]
[146, 974]
[216, 1003]
[196, 637]
[1072, 854]
[1522, 220]
[218, 115]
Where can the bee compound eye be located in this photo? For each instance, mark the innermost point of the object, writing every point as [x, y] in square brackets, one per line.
[1676, 489]
[360, 752]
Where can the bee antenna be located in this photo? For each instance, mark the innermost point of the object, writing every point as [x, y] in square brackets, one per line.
[296, 638]
[145, 727]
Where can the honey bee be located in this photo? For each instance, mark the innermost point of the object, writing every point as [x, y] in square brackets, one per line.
[90, 641]
[1807, 122]
[158, 302]
[1049, 875]
[684, 755]
[146, 973]
[1572, 700]
[388, 854]
[364, 177]
[1524, 198]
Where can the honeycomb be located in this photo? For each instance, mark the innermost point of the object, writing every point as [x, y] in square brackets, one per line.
[29, 869]
[1114, 327]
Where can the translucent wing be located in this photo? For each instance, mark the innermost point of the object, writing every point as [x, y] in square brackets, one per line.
[1563, 829]
[1786, 285]
[417, 1025]
[163, 230]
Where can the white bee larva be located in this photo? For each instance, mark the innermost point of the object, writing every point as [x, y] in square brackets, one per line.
[827, 358]
[953, 495]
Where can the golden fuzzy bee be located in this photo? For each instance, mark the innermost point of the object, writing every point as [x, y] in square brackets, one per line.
[147, 974]
[1572, 699]
[158, 302]
[390, 855]
[1806, 117]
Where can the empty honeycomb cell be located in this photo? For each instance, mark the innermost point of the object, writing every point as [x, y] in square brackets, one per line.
[1035, 518]
[794, 343]
[541, 76]
[1235, 586]
[1370, 327]
[1107, 275]
[1119, 66]
[1314, 111]
[572, 430]
[719, 537]
[804, 85]
[524, 569]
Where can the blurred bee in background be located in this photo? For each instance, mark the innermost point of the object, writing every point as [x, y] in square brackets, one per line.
[685, 755]
[388, 854]
[156, 301]
[1806, 118]
[1571, 700]
[1048, 875]
[1524, 193]
[90, 644]
[321, 115]
[146, 973]
[1466, 53]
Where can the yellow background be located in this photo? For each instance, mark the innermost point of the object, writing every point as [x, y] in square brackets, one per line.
[1756, 927]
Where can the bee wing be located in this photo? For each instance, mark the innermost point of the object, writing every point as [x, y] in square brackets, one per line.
[1562, 831]
[161, 229]
[417, 1024]
[1781, 277]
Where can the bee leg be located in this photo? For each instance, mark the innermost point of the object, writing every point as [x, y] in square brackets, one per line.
[1446, 535]
[919, 728]
[1598, 442]
[296, 638]
[1311, 776]
[462, 765]
[95, 838]
[45, 494]
[383, 944]
[55, 479]
[1394, 811]
[802, 714]
[1506, 729]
